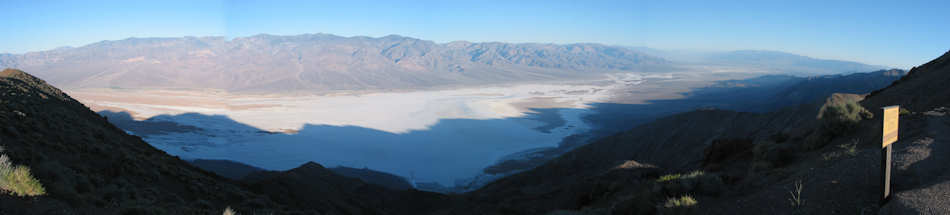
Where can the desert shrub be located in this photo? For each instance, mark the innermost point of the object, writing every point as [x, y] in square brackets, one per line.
[904, 111]
[840, 117]
[681, 205]
[678, 176]
[18, 180]
[683, 201]
[692, 182]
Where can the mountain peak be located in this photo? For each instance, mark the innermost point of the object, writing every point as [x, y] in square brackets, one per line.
[310, 165]
[16, 73]
[34, 83]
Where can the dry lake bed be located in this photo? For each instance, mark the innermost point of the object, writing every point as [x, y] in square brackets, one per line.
[447, 136]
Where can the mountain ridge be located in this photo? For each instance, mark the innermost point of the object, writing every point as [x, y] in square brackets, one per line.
[320, 62]
[783, 62]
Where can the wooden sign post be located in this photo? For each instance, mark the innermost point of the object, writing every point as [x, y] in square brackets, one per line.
[890, 120]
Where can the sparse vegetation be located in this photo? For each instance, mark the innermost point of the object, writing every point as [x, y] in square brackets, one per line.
[841, 117]
[678, 176]
[683, 201]
[18, 180]
[849, 149]
[796, 195]
[904, 111]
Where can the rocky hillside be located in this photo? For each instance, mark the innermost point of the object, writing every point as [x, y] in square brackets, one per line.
[89, 166]
[316, 62]
[821, 158]
[921, 180]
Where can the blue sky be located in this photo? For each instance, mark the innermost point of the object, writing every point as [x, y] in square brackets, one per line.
[892, 33]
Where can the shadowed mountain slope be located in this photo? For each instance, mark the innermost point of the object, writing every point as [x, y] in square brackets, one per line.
[90, 166]
[386, 180]
[313, 187]
[226, 168]
[236, 170]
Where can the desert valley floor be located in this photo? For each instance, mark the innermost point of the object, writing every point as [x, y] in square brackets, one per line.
[446, 136]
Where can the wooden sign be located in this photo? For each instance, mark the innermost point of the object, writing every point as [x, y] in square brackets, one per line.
[889, 136]
[891, 114]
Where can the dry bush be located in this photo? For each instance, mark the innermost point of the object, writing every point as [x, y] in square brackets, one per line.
[18, 180]
[841, 117]
[678, 176]
[683, 201]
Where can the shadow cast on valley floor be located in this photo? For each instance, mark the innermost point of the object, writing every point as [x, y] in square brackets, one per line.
[451, 148]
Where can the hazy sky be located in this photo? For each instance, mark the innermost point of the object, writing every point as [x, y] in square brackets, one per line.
[891, 33]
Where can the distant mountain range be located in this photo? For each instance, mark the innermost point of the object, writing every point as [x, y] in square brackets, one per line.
[776, 61]
[324, 62]
[319, 62]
